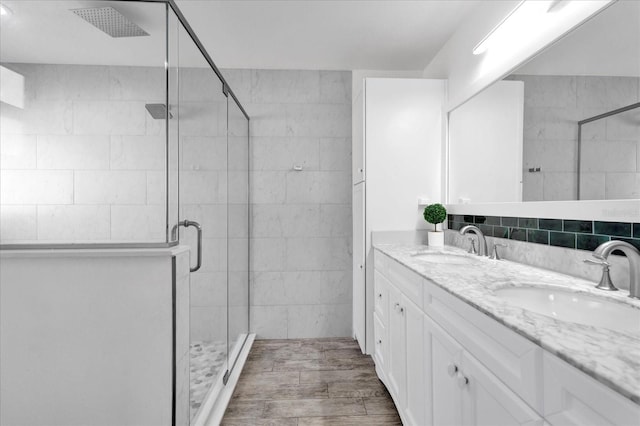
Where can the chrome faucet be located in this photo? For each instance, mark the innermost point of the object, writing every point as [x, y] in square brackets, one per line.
[603, 251]
[482, 243]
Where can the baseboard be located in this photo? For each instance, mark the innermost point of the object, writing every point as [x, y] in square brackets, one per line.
[218, 405]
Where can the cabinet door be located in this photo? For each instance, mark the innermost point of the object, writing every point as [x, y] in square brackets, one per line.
[446, 356]
[573, 398]
[359, 280]
[487, 401]
[397, 367]
[415, 409]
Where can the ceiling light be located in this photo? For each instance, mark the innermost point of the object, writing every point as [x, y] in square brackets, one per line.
[4, 10]
[522, 22]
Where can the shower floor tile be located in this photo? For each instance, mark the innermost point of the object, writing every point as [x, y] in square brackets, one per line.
[207, 359]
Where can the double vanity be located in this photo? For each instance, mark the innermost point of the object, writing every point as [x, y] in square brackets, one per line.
[464, 339]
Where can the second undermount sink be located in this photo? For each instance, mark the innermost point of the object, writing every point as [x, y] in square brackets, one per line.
[574, 307]
[442, 257]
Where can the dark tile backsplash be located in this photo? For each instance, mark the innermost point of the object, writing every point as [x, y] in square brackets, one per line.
[576, 234]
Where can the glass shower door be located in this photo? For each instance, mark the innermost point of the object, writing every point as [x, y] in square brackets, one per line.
[202, 109]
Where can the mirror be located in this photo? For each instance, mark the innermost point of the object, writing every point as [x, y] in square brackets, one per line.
[563, 126]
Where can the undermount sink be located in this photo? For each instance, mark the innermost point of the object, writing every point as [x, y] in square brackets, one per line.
[443, 257]
[574, 307]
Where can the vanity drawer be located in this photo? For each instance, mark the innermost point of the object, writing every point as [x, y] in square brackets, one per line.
[515, 360]
[381, 296]
[408, 282]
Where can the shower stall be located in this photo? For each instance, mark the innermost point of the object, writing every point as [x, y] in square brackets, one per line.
[120, 139]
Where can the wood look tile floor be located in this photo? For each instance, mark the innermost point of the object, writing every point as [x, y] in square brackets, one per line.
[309, 382]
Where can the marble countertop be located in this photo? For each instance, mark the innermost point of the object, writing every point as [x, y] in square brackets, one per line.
[611, 357]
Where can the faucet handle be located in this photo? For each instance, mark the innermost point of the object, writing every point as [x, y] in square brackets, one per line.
[472, 247]
[605, 281]
[495, 254]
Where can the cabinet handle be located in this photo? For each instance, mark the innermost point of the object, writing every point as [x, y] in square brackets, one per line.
[462, 381]
[396, 306]
[401, 310]
[380, 295]
[379, 341]
[452, 369]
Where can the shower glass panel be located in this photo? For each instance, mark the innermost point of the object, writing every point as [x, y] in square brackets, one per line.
[202, 112]
[83, 160]
[238, 211]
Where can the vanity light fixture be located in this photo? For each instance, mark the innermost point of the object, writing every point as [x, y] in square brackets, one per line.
[523, 20]
[4, 10]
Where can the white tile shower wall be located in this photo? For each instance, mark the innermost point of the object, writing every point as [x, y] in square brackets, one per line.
[610, 148]
[84, 161]
[301, 220]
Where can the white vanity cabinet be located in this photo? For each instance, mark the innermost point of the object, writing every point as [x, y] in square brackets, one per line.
[446, 363]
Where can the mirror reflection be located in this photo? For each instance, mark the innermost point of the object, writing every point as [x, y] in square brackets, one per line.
[564, 126]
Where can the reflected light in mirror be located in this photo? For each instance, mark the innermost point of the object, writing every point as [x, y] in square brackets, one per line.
[530, 21]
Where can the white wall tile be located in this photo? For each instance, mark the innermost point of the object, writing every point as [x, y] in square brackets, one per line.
[145, 84]
[550, 155]
[605, 156]
[17, 151]
[204, 153]
[205, 187]
[291, 220]
[284, 153]
[619, 186]
[240, 82]
[319, 321]
[267, 288]
[269, 322]
[267, 254]
[238, 223]
[18, 223]
[318, 187]
[110, 187]
[200, 84]
[138, 223]
[335, 154]
[49, 117]
[109, 118]
[156, 188]
[267, 120]
[208, 288]
[318, 254]
[238, 254]
[275, 86]
[73, 152]
[67, 82]
[335, 220]
[549, 91]
[212, 217]
[551, 123]
[335, 87]
[208, 323]
[214, 251]
[202, 118]
[317, 287]
[268, 187]
[73, 223]
[138, 152]
[559, 186]
[319, 120]
[592, 186]
[36, 187]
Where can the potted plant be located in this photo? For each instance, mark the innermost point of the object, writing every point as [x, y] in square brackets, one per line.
[435, 214]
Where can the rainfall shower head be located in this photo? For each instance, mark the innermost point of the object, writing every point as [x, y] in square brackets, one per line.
[110, 21]
[158, 111]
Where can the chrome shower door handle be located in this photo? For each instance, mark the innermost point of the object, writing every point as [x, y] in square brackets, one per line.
[187, 223]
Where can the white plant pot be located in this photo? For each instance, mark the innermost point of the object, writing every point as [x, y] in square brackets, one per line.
[436, 239]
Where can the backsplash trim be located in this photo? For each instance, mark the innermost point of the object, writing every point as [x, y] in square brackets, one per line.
[568, 233]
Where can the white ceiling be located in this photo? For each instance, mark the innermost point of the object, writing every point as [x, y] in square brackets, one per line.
[293, 34]
[325, 34]
[608, 44]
